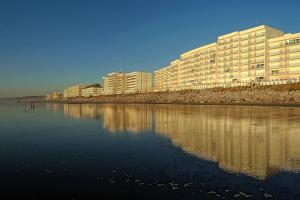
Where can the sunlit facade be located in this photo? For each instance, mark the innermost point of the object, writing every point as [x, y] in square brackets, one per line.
[138, 82]
[54, 95]
[121, 83]
[74, 91]
[259, 54]
[285, 57]
[197, 67]
[92, 90]
[114, 83]
[162, 79]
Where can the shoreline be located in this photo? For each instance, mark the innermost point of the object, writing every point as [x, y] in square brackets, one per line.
[280, 95]
[192, 104]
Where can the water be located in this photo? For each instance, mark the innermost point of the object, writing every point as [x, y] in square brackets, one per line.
[75, 151]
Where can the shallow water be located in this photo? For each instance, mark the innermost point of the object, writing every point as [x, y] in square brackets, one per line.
[149, 151]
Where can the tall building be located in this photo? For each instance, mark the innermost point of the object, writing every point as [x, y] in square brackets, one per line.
[285, 57]
[114, 83]
[259, 54]
[74, 91]
[197, 67]
[92, 90]
[121, 83]
[162, 76]
[243, 56]
[138, 82]
[174, 75]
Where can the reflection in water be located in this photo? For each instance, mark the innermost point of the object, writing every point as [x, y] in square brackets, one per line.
[257, 141]
[115, 118]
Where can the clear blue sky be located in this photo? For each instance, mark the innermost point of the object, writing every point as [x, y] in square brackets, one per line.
[47, 45]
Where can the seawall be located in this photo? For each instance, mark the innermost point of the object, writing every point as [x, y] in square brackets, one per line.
[288, 94]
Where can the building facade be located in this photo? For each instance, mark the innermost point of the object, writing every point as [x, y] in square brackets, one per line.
[162, 79]
[259, 54]
[114, 83]
[138, 82]
[54, 95]
[92, 90]
[285, 57]
[74, 91]
[121, 83]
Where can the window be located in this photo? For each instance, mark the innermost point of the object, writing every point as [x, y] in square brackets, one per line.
[260, 66]
[293, 41]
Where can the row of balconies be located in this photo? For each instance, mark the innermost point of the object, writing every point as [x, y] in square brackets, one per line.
[228, 40]
[285, 44]
[284, 51]
[252, 35]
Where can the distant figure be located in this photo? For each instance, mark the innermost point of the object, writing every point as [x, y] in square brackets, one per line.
[32, 106]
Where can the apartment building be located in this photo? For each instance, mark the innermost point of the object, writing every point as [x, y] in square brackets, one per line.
[54, 95]
[121, 83]
[246, 56]
[285, 57]
[162, 79]
[74, 91]
[243, 56]
[114, 83]
[174, 75]
[197, 67]
[138, 82]
[92, 90]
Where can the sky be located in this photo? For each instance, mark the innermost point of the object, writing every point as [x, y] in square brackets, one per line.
[52, 44]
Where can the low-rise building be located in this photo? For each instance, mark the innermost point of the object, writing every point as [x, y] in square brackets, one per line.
[92, 90]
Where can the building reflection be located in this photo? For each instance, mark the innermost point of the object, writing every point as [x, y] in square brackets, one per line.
[56, 107]
[133, 118]
[85, 111]
[257, 141]
[116, 118]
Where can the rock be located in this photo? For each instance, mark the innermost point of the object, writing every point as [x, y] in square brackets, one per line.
[236, 196]
[174, 188]
[268, 195]
[49, 171]
[211, 192]
[245, 195]
[112, 181]
[187, 184]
